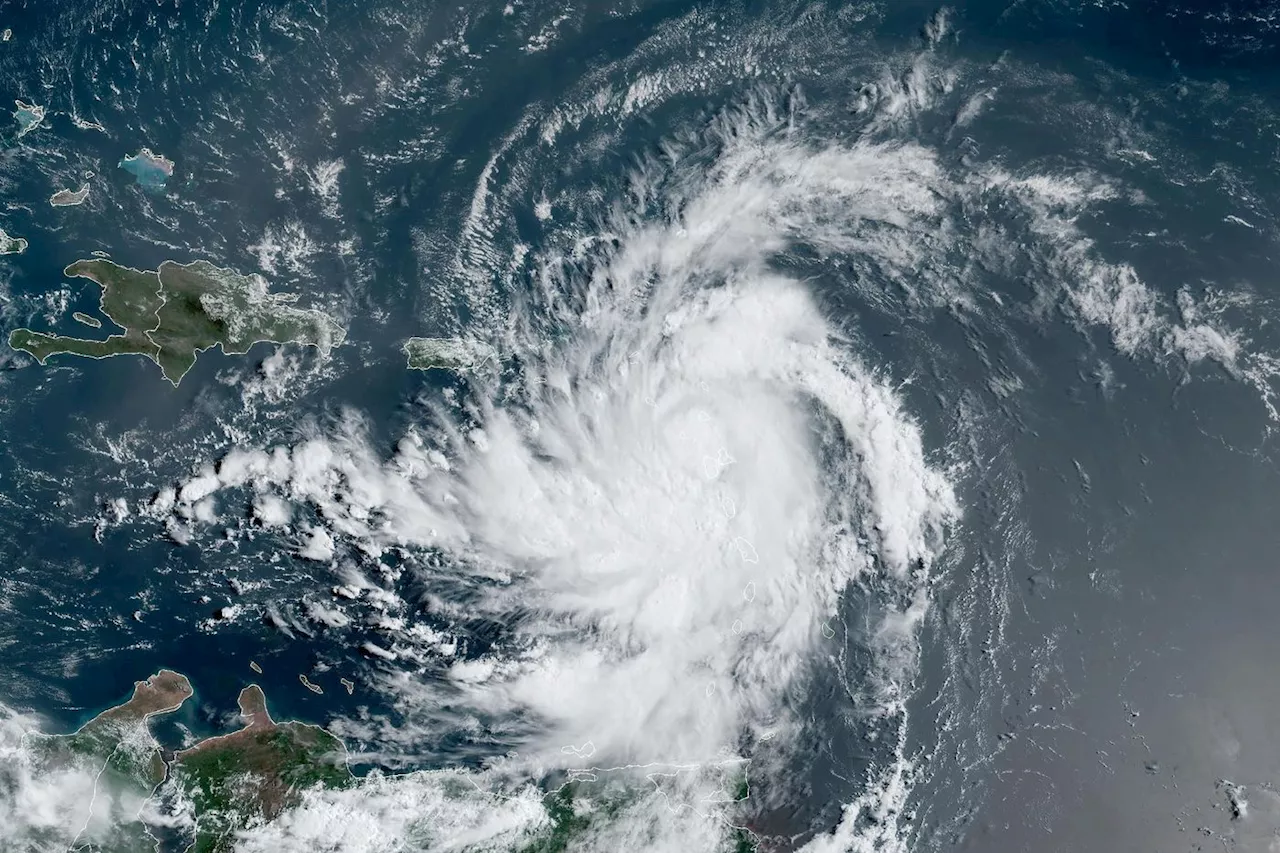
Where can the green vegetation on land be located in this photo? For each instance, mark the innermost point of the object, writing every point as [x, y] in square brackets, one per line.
[172, 314]
[744, 841]
[230, 782]
[446, 353]
[116, 748]
[566, 822]
[255, 773]
[250, 777]
[11, 245]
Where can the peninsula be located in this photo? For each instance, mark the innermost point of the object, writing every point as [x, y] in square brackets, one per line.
[255, 773]
[116, 750]
[231, 781]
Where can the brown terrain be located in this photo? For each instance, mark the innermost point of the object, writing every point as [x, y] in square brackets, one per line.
[161, 693]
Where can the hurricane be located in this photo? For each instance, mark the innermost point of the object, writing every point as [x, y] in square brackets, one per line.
[690, 428]
[662, 491]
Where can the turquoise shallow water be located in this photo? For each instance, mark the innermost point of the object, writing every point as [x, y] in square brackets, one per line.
[150, 171]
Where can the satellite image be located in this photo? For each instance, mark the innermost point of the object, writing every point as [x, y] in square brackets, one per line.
[642, 426]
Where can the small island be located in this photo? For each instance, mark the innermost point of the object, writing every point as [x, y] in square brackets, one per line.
[172, 314]
[149, 169]
[91, 322]
[11, 245]
[69, 198]
[28, 116]
[447, 353]
[87, 124]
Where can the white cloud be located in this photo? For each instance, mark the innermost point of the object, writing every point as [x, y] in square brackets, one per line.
[703, 431]
[669, 506]
[419, 812]
[317, 546]
[48, 802]
[288, 247]
[272, 511]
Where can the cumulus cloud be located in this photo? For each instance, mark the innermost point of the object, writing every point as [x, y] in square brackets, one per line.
[1141, 322]
[50, 803]
[420, 811]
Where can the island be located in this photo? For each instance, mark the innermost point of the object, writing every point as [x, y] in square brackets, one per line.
[149, 169]
[447, 353]
[91, 322]
[171, 314]
[69, 198]
[11, 245]
[252, 775]
[86, 124]
[29, 117]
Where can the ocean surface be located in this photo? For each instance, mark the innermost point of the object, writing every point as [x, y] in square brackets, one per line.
[887, 399]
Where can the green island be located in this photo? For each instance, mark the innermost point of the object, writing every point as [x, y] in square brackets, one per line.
[11, 245]
[447, 353]
[172, 314]
[254, 774]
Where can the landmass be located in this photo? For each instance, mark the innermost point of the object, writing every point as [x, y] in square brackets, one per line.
[254, 774]
[149, 169]
[565, 822]
[69, 198]
[92, 322]
[11, 245]
[205, 796]
[587, 802]
[29, 117]
[117, 751]
[447, 353]
[172, 314]
[226, 783]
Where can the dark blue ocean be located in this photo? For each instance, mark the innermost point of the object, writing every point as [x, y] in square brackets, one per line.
[1082, 323]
